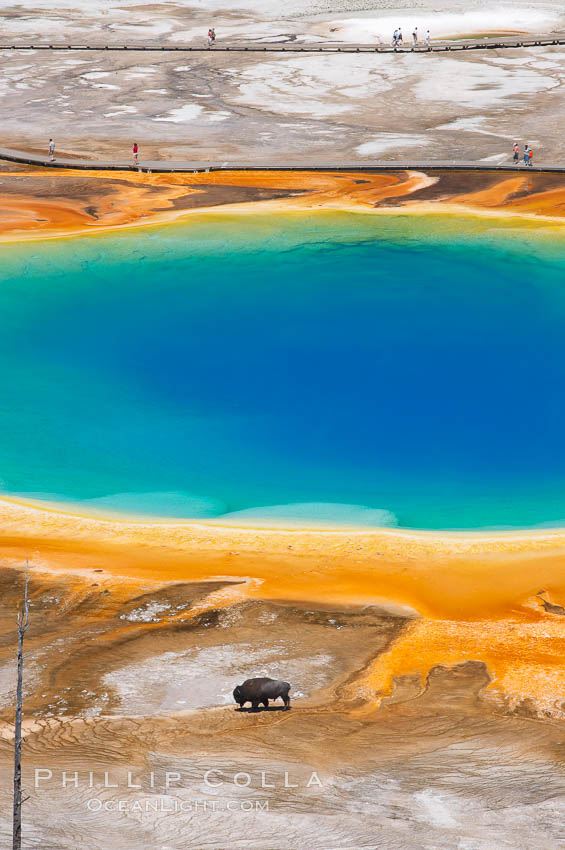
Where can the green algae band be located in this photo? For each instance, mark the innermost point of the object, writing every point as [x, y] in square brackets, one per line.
[331, 368]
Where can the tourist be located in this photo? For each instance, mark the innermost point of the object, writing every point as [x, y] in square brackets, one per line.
[526, 155]
[415, 36]
[51, 150]
[530, 157]
[135, 151]
[211, 36]
[399, 39]
[516, 153]
[395, 38]
[428, 39]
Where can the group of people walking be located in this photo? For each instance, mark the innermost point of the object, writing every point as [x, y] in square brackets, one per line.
[211, 36]
[397, 38]
[528, 154]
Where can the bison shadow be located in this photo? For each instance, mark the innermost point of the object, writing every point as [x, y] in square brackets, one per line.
[262, 708]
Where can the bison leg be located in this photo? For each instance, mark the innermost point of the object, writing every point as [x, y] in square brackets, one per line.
[286, 699]
[255, 705]
[266, 703]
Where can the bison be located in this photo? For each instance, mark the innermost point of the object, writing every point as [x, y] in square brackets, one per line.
[261, 691]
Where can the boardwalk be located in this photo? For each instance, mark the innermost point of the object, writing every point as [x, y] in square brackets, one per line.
[180, 166]
[489, 43]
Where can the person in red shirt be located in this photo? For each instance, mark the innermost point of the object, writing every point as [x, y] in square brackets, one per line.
[531, 157]
[135, 150]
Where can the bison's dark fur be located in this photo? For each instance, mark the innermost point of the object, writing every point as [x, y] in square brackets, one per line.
[258, 691]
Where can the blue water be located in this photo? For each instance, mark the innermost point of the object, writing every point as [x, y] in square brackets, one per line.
[413, 367]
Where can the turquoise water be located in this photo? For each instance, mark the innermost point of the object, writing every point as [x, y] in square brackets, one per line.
[336, 368]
